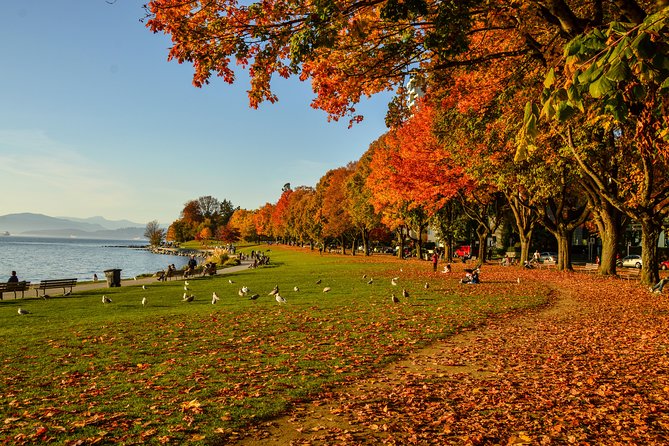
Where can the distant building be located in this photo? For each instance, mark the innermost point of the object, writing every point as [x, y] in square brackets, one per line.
[414, 91]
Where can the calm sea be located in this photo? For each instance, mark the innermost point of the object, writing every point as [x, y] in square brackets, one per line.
[37, 258]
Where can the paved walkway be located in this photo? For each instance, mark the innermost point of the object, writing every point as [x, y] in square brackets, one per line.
[86, 286]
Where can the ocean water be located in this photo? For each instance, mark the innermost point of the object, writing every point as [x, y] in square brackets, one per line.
[37, 258]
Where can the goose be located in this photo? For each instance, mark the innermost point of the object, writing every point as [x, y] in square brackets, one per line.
[394, 280]
[245, 289]
[274, 291]
[190, 298]
[106, 300]
[394, 298]
[231, 281]
[22, 311]
[280, 299]
[214, 298]
[296, 288]
[405, 293]
[326, 289]
[144, 301]
[143, 287]
[318, 281]
[370, 281]
[241, 293]
[254, 297]
[426, 286]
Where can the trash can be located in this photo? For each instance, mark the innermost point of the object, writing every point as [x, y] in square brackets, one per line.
[113, 277]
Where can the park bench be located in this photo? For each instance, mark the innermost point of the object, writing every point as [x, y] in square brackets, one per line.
[548, 264]
[591, 268]
[13, 287]
[629, 273]
[55, 283]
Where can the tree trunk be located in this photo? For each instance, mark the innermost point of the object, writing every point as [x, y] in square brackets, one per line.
[650, 235]
[564, 249]
[482, 234]
[365, 241]
[343, 245]
[400, 240]
[525, 241]
[419, 243]
[609, 225]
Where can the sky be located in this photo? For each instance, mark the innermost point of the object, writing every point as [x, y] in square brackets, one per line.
[94, 121]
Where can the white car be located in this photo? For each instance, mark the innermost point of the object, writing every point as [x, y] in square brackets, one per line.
[548, 257]
[633, 261]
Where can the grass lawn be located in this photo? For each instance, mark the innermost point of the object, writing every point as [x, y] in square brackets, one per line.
[76, 371]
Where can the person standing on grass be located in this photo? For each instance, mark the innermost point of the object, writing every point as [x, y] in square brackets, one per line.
[13, 278]
[435, 261]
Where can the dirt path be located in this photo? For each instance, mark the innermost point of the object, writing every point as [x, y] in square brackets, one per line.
[590, 368]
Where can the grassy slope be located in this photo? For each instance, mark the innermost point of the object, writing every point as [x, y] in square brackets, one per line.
[76, 369]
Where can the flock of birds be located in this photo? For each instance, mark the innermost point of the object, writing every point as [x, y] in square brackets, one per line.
[244, 291]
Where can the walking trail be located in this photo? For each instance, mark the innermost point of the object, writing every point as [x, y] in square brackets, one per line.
[591, 367]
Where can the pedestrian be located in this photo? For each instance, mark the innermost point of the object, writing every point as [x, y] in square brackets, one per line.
[536, 256]
[95, 277]
[13, 278]
[435, 261]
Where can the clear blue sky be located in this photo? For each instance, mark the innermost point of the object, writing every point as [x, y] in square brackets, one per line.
[95, 121]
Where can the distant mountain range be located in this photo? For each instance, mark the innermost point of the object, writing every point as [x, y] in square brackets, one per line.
[93, 227]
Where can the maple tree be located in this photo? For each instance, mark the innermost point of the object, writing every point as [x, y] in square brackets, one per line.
[244, 221]
[263, 221]
[360, 207]
[335, 218]
[618, 80]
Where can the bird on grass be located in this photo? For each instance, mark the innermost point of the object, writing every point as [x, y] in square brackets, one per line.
[405, 293]
[22, 311]
[274, 291]
[254, 297]
[143, 287]
[189, 297]
[394, 280]
[144, 301]
[241, 293]
[318, 281]
[67, 293]
[296, 288]
[518, 280]
[185, 288]
[326, 289]
[245, 290]
[394, 298]
[186, 283]
[106, 300]
[426, 286]
[370, 281]
[45, 296]
[364, 276]
[214, 298]
[280, 299]
[231, 281]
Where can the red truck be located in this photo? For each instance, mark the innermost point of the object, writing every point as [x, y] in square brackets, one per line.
[463, 251]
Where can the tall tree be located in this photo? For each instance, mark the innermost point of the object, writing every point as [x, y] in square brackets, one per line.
[154, 233]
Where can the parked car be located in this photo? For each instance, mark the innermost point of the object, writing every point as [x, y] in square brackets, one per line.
[631, 261]
[463, 251]
[664, 265]
[548, 257]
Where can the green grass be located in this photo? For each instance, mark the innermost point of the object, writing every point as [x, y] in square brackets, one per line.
[77, 370]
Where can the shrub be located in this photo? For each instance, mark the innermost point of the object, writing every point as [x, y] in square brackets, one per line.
[232, 262]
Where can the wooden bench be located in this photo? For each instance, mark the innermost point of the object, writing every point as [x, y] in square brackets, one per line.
[629, 273]
[548, 264]
[13, 287]
[591, 268]
[55, 283]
